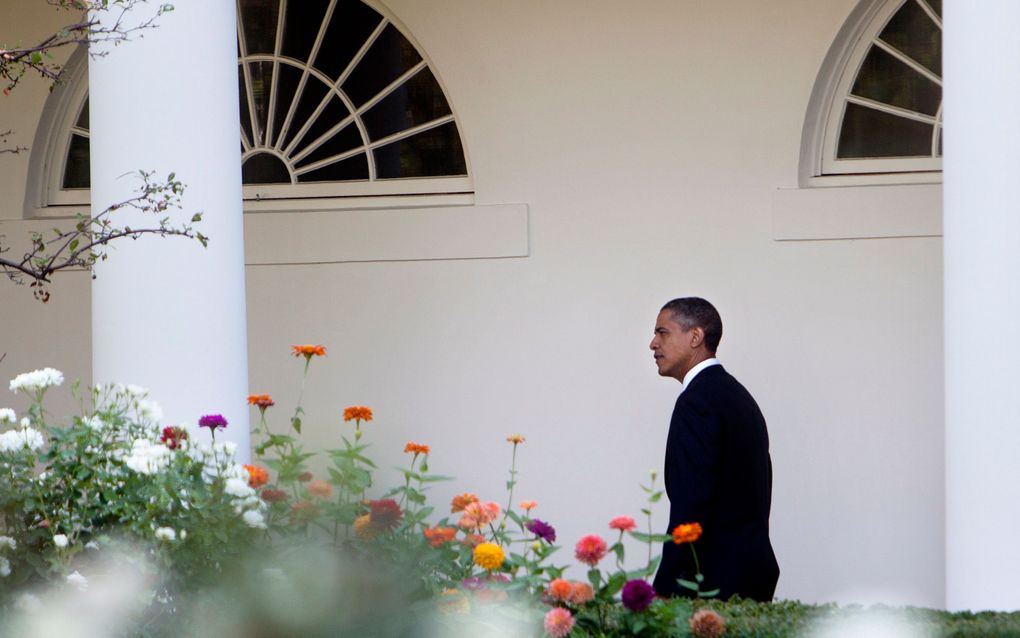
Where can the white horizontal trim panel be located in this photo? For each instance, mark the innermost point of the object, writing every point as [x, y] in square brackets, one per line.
[857, 212]
[396, 234]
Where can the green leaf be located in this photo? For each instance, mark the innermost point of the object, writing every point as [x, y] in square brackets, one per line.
[654, 498]
[36, 57]
[296, 423]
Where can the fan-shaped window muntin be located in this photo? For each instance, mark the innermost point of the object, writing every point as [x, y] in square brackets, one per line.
[885, 115]
[289, 149]
[368, 110]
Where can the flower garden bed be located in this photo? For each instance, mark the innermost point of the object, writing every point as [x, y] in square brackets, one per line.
[115, 524]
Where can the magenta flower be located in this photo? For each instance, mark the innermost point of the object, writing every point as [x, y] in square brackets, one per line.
[212, 421]
[623, 523]
[637, 595]
[542, 530]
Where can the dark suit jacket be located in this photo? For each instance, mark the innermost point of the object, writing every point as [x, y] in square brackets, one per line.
[719, 474]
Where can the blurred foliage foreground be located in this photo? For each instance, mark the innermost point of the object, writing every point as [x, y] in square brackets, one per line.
[115, 524]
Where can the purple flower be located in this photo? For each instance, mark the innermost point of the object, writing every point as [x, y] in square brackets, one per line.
[212, 421]
[473, 583]
[542, 529]
[637, 595]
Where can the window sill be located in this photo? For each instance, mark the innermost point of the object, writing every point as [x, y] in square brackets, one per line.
[857, 212]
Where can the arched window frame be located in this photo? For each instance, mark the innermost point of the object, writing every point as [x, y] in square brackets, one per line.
[46, 196]
[819, 165]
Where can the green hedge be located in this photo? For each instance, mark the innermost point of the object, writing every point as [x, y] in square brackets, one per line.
[792, 619]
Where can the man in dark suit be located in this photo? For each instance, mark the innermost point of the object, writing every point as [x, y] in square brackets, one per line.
[718, 471]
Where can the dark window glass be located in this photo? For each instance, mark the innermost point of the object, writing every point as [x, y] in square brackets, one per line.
[258, 21]
[76, 170]
[352, 168]
[261, 89]
[390, 57]
[287, 80]
[870, 133]
[330, 117]
[310, 98]
[243, 104]
[342, 141]
[352, 23]
[912, 32]
[301, 26]
[417, 101]
[885, 79]
[264, 168]
[427, 154]
[83, 117]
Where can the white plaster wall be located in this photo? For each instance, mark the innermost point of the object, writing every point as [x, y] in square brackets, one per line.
[647, 140]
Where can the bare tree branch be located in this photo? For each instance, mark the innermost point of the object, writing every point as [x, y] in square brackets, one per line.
[86, 245]
[17, 61]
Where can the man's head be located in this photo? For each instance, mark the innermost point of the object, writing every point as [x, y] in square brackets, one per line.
[687, 331]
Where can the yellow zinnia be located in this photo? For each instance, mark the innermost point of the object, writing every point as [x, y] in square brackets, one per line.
[489, 556]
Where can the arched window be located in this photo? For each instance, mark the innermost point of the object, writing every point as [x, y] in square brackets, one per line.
[877, 105]
[335, 100]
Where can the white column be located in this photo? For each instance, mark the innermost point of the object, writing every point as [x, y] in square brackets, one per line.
[982, 303]
[166, 313]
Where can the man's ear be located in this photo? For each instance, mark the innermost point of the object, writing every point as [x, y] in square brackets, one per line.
[697, 337]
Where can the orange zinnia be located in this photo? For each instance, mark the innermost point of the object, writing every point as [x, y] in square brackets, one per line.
[263, 401]
[436, 536]
[308, 351]
[515, 439]
[321, 489]
[357, 412]
[686, 533]
[559, 589]
[417, 448]
[461, 501]
[257, 476]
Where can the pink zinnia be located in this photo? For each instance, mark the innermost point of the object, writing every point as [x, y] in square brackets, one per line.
[558, 622]
[590, 549]
[622, 523]
[478, 515]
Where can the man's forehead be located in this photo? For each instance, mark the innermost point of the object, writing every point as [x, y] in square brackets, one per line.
[665, 321]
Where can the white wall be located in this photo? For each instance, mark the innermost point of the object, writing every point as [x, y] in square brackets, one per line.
[647, 141]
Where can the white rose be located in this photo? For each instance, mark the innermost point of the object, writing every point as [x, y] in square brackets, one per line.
[253, 518]
[166, 534]
[60, 540]
[7, 415]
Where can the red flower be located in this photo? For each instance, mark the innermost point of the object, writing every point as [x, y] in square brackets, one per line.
[257, 476]
[386, 514]
[308, 351]
[173, 435]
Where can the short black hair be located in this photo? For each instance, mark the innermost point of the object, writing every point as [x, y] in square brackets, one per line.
[692, 312]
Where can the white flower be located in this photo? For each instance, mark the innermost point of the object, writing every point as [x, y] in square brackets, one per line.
[28, 602]
[229, 447]
[238, 487]
[135, 391]
[9, 542]
[36, 380]
[26, 437]
[60, 540]
[25, 422]
[184, 534]
[92, 545]
[5, 567]
[253, 518]
[150, 410]
[7, 415]
[166, 534]
[78, 580]
[147, 457]
[95, 422]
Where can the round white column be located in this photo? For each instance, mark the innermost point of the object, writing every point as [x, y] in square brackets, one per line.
[982, 303]
[166, 313]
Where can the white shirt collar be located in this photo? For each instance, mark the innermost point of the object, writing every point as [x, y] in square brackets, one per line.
[693, 372]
